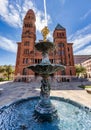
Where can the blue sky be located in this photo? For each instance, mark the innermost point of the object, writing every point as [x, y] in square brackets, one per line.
[74, 15]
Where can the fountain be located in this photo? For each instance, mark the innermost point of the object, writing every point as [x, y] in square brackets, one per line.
[45, 110]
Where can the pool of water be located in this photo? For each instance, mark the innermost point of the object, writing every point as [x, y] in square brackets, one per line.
[19, 116]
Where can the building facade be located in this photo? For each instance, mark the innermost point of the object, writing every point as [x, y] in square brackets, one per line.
[78, 59]
[87, 65]
[28, 55]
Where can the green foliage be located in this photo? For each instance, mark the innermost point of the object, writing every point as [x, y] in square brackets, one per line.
[6, 71]
[1, 79]
[1, 69]
[83, 86]
[80, 70]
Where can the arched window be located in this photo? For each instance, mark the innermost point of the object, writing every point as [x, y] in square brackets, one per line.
[70, 72]
[63, 72]
[25, 60]
[24, 71]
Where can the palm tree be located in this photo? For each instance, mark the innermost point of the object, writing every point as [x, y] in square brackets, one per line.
[80, 70]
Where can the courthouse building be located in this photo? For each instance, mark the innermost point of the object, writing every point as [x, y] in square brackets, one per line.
[28, 55]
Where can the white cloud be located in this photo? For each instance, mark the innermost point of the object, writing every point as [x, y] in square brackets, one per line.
[82, 40]
[8, 44]
[86, 15]
[86, 51]
[13, 13]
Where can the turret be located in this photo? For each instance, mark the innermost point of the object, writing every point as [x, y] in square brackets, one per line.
[29, 28]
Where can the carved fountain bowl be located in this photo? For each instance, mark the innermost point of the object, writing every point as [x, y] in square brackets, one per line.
[44, 46]
[46, 69]
[19, 116]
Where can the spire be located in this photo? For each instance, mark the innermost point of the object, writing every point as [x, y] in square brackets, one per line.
[59, 27]
[30, 14]
[29, 28]
[30, 11]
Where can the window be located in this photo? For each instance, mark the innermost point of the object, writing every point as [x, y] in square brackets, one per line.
[29, 25]
[63, 34]
[32, 60]
[27, 32]
[60, 35]
[70, 72]
[25, 60]
[68, 49]
[51, 60]
[60, 44]
[63, 72]
[26, 51]
[24, 71]
[64, 62]
[27, 43]
[35, 60]
[61, 52]
[32, 17]
[38, 61]
[69, 56]
[69, 62]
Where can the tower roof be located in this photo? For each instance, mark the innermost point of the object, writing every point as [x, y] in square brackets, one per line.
[30, 11]
[59, 27]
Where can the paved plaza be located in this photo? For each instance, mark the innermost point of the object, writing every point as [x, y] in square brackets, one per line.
[12, 91]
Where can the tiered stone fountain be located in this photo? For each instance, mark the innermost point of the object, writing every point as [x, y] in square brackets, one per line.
[45, 110]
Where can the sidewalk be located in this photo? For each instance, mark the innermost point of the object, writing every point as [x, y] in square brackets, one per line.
[13, 91]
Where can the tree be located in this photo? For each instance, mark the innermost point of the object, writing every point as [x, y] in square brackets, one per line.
[80, 70]
[1, 69]
[8, 71]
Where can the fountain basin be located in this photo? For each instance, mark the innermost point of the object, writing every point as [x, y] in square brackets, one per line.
[46, 69]
[19, 116]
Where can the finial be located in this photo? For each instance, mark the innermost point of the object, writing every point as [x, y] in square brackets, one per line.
[45, 32]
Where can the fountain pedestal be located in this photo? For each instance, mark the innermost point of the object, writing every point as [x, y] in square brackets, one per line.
[45, 111]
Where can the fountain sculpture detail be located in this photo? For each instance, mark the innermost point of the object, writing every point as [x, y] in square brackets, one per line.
[45, 110]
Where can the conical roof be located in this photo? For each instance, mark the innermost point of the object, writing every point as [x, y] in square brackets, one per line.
[30, 11]
[59, 27]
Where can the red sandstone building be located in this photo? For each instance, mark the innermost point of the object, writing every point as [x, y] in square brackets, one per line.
[27, 54]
